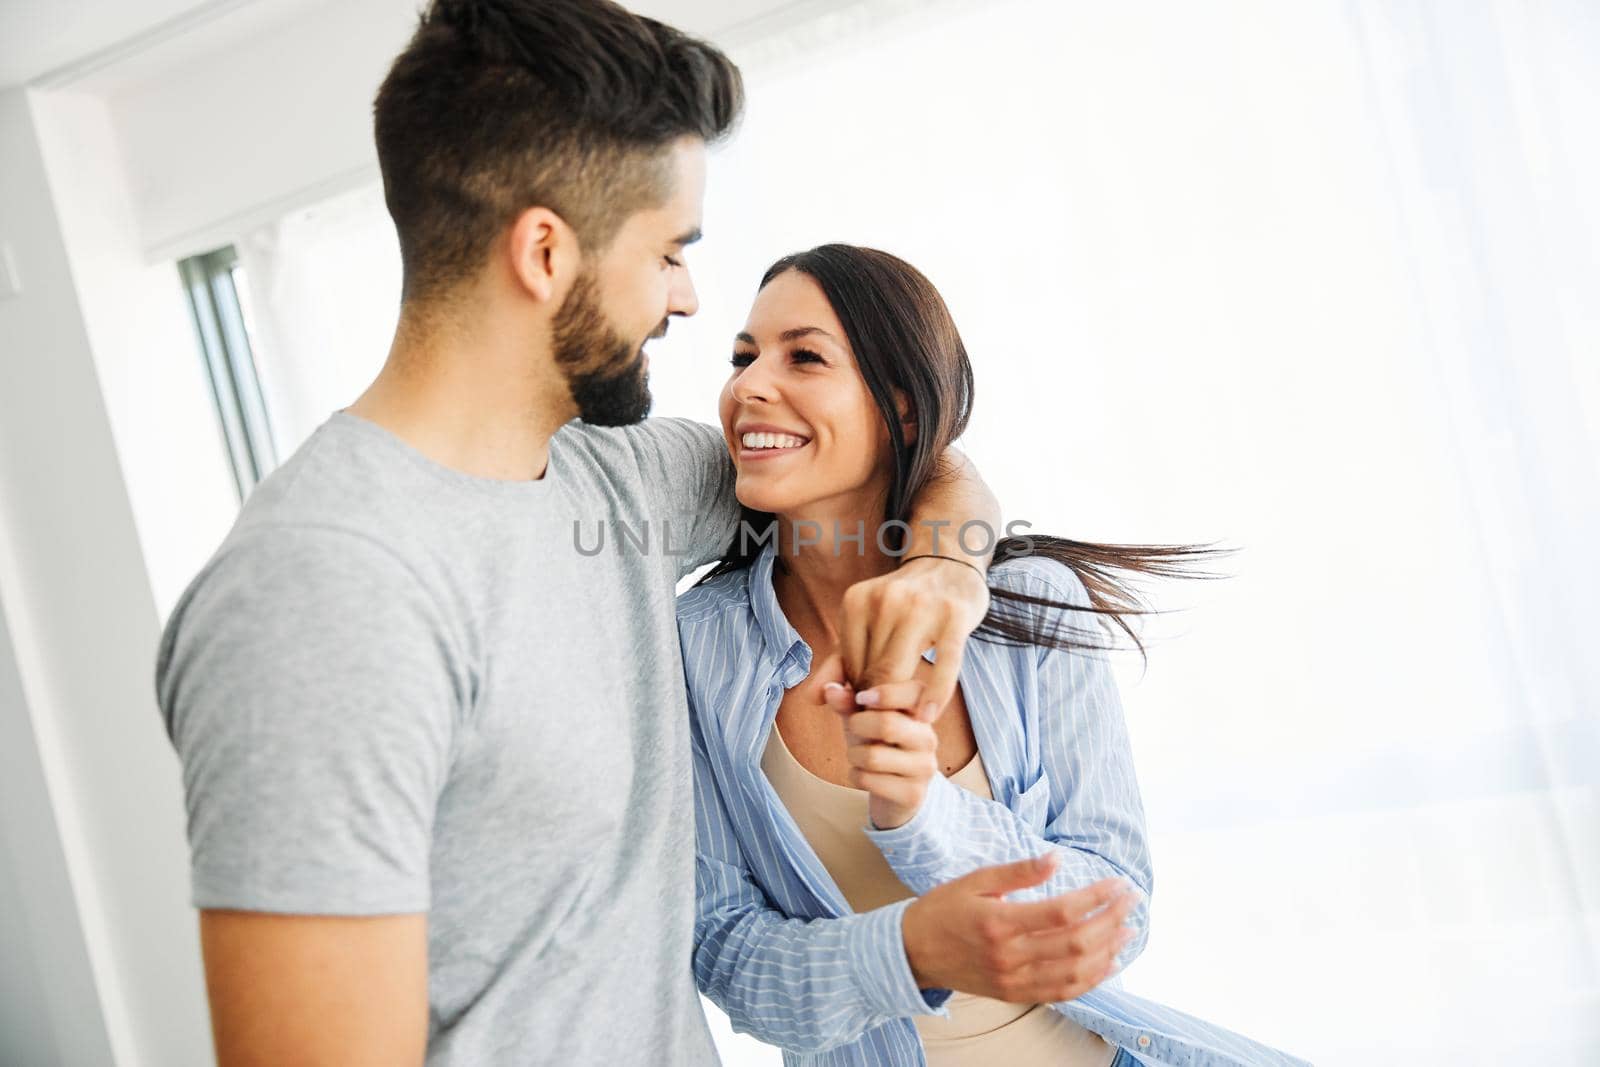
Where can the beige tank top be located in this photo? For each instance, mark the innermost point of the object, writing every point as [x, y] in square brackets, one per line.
[980, 1032]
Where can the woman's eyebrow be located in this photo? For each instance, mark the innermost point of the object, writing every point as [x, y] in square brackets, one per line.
[801, 331]
[788, 335]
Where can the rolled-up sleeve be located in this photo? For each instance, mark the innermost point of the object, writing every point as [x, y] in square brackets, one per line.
[806, 985]
[1085, 806]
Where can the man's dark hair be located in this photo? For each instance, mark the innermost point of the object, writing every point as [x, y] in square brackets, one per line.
[497, 106]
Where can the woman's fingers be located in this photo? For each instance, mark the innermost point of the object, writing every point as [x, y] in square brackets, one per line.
[1048, 980]
[890, 728]
[1065, 962]
[886, 759]
[1068, 964]
[840, 698]
[894, 788]
[1091, 937]
[1070, 908]
[829, 671]
[892, 695]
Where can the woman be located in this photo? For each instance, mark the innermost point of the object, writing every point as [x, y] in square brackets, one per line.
[834, 850]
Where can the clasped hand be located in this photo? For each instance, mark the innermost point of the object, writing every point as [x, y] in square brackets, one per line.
[964, 934]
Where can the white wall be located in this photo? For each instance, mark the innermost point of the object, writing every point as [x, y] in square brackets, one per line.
[146, 353]
[258, 125]
[45, 977]
[274, 112]
[94, 851]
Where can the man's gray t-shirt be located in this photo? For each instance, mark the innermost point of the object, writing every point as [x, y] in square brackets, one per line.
[397, 688]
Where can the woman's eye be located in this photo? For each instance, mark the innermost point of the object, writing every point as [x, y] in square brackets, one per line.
[671, 262]
[742, 359]
[805, 355]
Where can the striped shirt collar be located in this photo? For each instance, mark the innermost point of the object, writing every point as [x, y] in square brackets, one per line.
[783, 640]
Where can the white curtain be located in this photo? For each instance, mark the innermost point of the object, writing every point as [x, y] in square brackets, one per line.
[1314, 279]
[325, 283]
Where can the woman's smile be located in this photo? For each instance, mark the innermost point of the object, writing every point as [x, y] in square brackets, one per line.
[762, 442]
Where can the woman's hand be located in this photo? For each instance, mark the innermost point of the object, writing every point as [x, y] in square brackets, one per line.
[887, 623]
[964, 935]
[892, 755]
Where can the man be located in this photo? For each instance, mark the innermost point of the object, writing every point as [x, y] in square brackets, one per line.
[437, 759]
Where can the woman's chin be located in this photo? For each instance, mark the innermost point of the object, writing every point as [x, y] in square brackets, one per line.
[769, 498]
[759, 501]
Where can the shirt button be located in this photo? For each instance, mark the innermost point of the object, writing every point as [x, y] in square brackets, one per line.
[1144, 1040]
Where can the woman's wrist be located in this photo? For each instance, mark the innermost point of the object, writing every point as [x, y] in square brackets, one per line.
[914, 937]
[948, 559]
[888, 815]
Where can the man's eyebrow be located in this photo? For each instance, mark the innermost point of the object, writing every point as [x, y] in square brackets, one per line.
[788, 335]
[688, 239]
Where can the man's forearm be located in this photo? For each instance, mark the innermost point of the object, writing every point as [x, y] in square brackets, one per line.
[955, 498]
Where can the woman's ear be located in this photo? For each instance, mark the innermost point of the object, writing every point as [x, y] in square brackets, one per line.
[908, 422]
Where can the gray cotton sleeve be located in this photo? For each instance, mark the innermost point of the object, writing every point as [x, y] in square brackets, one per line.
[689, 477]
[311, 692]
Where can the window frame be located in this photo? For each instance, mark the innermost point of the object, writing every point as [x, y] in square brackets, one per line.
[209, 280]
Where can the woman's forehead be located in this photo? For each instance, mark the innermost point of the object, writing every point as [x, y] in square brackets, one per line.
[792, 300]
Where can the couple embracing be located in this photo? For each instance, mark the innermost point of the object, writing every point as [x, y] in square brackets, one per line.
[461, 793]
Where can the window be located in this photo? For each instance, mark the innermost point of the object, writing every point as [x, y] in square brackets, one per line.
[220, 304]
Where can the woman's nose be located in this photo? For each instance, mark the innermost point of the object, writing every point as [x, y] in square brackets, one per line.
[754, 383]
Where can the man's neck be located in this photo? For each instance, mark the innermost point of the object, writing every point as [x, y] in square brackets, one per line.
[480, 401]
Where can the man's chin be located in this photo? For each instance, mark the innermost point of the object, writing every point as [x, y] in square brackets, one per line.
[615, 401]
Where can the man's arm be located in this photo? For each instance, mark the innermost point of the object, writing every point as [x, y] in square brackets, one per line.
[316, 990]
[956, 494]
[689, 478]
[889, 622]
[310, 693]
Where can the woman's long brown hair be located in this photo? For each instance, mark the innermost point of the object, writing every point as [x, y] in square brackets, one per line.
[904, 339]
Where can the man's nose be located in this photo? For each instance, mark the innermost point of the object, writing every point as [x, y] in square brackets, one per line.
[681, 298]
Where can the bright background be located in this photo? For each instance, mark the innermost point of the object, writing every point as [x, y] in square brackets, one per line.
[1316, 280]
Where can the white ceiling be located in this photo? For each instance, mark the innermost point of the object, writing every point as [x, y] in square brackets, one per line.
[41, 38]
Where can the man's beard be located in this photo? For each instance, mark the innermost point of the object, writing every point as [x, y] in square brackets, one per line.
[606, 374]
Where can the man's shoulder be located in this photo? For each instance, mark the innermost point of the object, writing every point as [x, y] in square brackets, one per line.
[329, 520]
[344, 476]
[640, 449]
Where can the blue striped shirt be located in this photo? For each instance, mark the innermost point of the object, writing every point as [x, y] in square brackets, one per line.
[776, 945]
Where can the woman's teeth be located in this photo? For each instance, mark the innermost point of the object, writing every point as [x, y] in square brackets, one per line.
[772, 440]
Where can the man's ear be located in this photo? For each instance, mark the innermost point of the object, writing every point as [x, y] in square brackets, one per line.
[544, 254]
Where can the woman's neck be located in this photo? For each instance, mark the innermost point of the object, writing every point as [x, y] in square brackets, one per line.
[812, 568]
